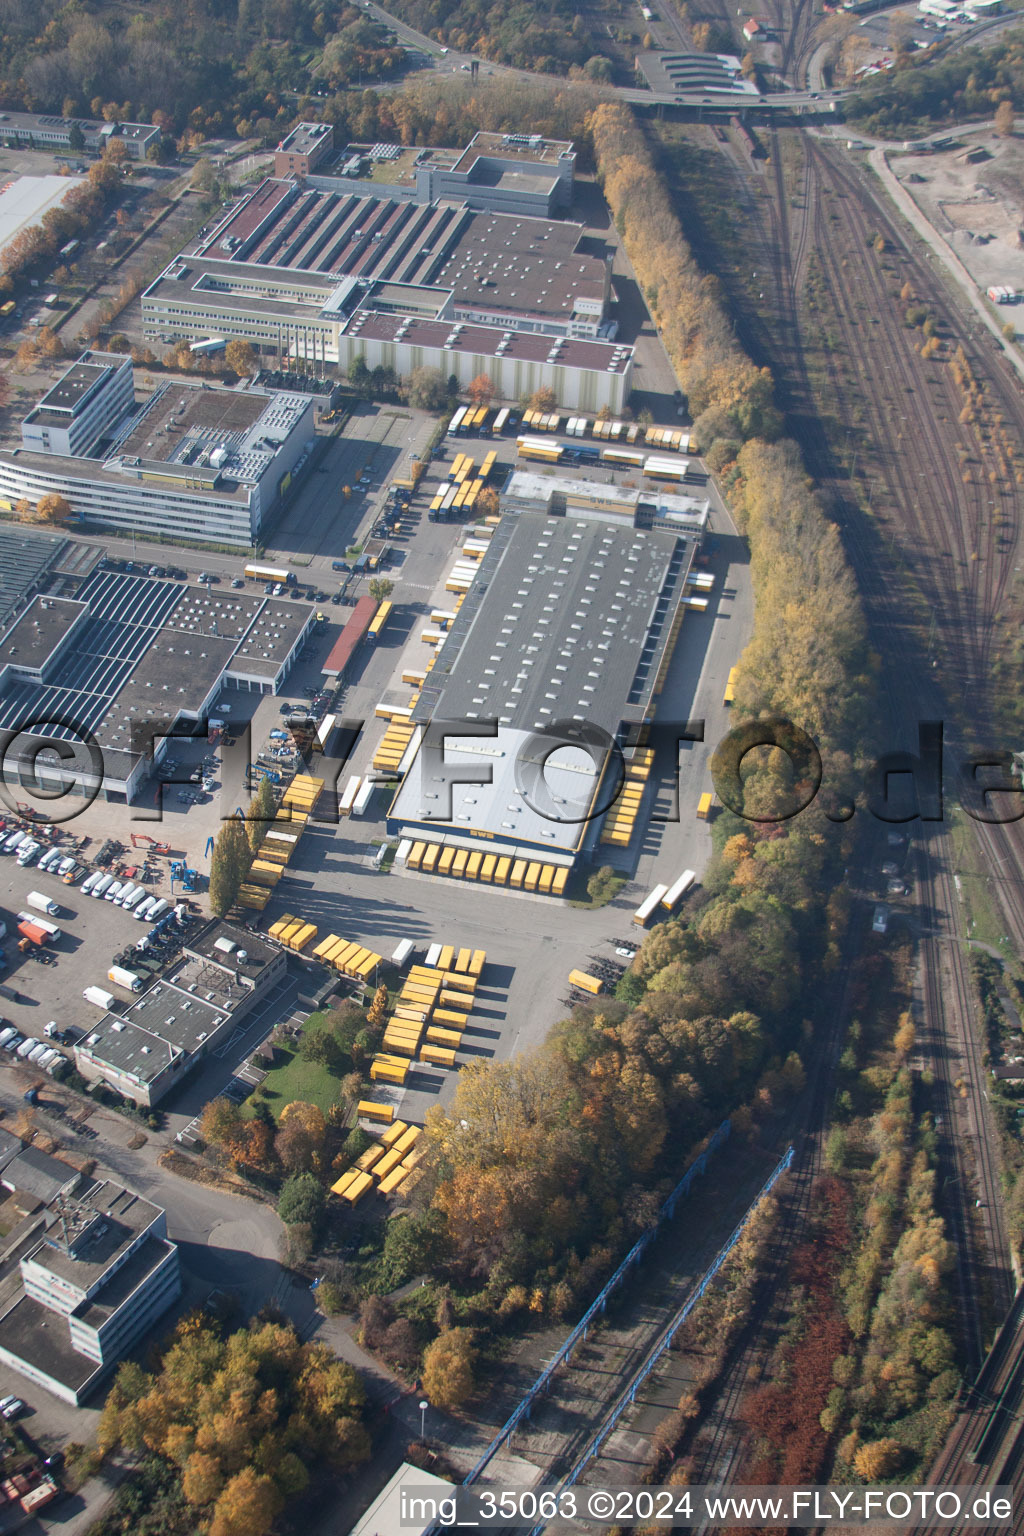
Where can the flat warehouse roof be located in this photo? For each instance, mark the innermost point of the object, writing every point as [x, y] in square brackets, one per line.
[556, 624]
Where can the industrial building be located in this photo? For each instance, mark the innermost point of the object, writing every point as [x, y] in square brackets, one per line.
[25, 199]
[108, 674]
[45, 131]
[517, 173]
[565, 636]
[302, 150]
[81, 1282]
[527, 491]
[690, 74]
[190, 462]
[323, 272]
[146, 1051]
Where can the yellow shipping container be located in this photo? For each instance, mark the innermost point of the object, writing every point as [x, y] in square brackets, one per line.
[462, 960]
[447, 1018]
[407, 1140]
[547, 875]
[501, 873]
[532, 876]
[388, 1072]
[459, 863]
[393, 1132]
[444, 863]
[369, 1109]
[430, 857]
[437, 1056]
[446, 957]
[388, 1163]
[394, 1181]
[518, 872]
[473, 866]
[478, 962]
[447, 1037]
[559, 882]
[416, 853]
[488, 867]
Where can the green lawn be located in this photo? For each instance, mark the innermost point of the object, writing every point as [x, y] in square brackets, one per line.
[298, 1079]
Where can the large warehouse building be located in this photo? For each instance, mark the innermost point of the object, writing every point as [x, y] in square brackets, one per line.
[191, 462]
[126, 658]
[325, 273]
[568, 630]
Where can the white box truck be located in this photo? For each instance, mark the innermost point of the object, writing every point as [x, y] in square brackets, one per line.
[99, 998]
[42, 903]
[43, 923]
[122, 978]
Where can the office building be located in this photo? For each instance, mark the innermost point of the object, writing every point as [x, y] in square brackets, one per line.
[82, 1285]
[146, 1051]
[191, 462]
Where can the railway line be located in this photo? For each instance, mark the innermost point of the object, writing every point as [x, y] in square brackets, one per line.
[960, 559]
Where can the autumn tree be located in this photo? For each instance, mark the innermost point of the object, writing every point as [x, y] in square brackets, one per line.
[260, 814]
[487, 502]
[543, 399]
[25, 510]
[229, 865]
[240, 357]
[52, 509]
[878, 1459]
[380, 588]
[448, 1363]
[480, 390]
[300, 1138]
[378, 1008]
[1004, 119]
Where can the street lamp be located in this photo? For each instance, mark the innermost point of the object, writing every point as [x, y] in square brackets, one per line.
[424, 1405]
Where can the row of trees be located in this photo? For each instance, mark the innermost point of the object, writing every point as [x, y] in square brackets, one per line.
[685, 302]
[242, 1423]
[74, 216]
[509, 32]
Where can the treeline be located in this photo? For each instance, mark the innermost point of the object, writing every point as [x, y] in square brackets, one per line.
[508, 31]
[79, 211]
[229, 1429]
[205, 68]
[967, 84]
[440, 110]
[712, 368]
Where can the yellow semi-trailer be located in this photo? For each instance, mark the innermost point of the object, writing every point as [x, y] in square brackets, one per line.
[488, 867]
[365, 1161]
[462, 960]
[393, 1182]
[437, 1055]
[459, 863]
[444, 863]
[473, 866]
[449, 1018]
[446, 957]
[385, 1072]
[532, 877]
[501, 871]
[477, 963]
[369, 1109]
[586, 982]
[704, 806]
[455, 999]
[430, 857]
[518, 873]
[559, 883]
[450, 1038]
[388, 1163]
[394, 1133]
[407, 1140]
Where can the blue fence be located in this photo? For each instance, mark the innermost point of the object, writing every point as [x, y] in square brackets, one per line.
[596, 1309]
[629, 1395]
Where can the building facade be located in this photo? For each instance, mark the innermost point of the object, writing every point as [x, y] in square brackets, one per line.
[63, 134]
[88, 1289]
[193, 462]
